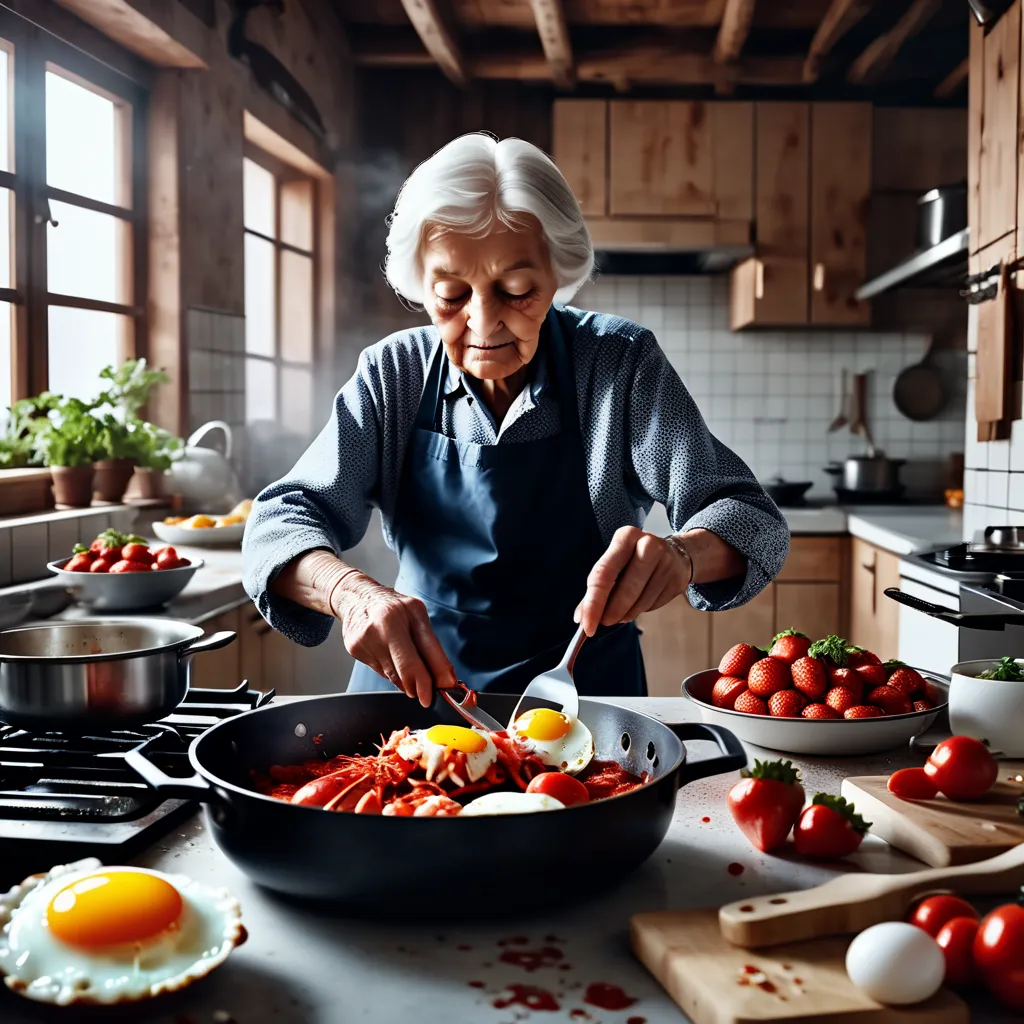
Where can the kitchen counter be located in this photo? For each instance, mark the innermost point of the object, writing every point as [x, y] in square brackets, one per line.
[307, 966]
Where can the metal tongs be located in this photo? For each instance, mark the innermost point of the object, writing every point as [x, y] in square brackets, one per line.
[467, 708]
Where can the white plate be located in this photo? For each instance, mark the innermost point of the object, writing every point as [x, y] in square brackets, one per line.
[832, 737]
[213, 536]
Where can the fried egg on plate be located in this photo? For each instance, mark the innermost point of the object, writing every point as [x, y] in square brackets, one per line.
[428, 747]
[558, 741]
[85, 933]
[511, 803]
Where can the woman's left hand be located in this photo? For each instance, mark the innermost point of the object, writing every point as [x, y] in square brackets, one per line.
[638, 573]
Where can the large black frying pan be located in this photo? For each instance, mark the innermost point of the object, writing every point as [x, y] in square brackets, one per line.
[404, 866]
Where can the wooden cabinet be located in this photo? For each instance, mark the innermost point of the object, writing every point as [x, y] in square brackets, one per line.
[580, 129]
[874, 619]
[768, 291]
[676, 642]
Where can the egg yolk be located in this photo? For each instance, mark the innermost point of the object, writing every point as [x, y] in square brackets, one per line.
[543, 724]
[457, 737]
[112, 907]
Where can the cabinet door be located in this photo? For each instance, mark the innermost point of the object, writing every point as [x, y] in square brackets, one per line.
[580, 130]
[782, 171]
[733, 160]
[811, 608]
[278, 662]
[660, 158]
[887, 614]
[676, 641]
[219, 670]
[863, 595]
[754, 623]
[840, 193]
[768, 291]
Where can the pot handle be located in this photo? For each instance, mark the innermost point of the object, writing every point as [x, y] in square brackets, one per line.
[194, 788]
[212, 642]
[199, 434]
[732, 759]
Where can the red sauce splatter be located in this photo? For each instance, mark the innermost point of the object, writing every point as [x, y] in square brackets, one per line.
[735, 869]
[608, 778]
[797, 981]
[516, 940]
[607, 997]
[476, 984]
[786, 967]
[751, 969]
[766, 986]
[532, 959]
[746, 909]
[742, 980]
[463, 948]
[530, 996]
[636, 1020]
[705, 819]
[318, 739]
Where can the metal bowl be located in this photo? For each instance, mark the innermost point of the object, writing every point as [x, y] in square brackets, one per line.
[123, 592]
[813, 737]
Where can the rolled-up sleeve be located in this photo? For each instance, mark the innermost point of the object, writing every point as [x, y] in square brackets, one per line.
[324, 503]
[701, 482]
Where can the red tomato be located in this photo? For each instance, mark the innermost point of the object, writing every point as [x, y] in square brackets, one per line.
[137, 553]
[912, 784]
[171, 563]
[126, 566]
[560, 786]
[999, 954]
[931, 914]
[114, 554]
[78, 563]
[956, 940]
[165, 552]
[101, 565]
[98, 545]
[962, 768]
[829, 828]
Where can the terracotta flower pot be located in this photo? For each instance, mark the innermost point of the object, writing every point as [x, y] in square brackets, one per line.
[72, 485]
[111, 479]
[148, 483]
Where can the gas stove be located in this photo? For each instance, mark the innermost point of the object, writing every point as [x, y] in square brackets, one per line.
[66, 796]
[997, 550]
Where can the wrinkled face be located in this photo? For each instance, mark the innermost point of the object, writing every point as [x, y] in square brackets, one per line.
[488, 296]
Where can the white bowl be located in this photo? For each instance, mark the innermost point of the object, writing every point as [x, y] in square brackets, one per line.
[821, 738]
[987, 709]
[124, 591]
[202, 537]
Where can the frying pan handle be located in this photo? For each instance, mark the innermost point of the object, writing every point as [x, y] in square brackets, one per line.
[195, 788]
[212, 642]
[732, 759]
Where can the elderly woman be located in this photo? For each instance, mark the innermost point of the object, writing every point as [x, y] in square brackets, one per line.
[514, 449]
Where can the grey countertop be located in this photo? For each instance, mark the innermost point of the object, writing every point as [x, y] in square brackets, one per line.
[304, 966]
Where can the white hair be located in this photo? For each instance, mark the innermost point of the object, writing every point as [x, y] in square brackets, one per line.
[475, 183]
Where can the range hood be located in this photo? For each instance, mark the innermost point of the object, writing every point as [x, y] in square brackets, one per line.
[628, 245]
[936, 267]
[668, 264]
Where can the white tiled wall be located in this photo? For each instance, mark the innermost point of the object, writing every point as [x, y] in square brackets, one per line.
[770, 396]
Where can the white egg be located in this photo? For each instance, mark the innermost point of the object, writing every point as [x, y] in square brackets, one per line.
[430, 753]
[84, 933]
[511, 803]
[558, 741]
[896, 963]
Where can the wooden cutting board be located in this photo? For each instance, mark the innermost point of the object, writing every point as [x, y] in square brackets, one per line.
[941, 832]
[717, 983]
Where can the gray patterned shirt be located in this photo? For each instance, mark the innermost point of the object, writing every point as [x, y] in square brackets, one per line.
[644, 441]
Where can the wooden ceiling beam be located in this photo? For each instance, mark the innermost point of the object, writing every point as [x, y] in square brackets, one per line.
[953, 80]
[878, 55]
[737, 20]
[553, 30]
[841, 16]
[437, 39]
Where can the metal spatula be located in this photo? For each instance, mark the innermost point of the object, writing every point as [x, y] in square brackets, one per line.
[467, 708]
[556, 686]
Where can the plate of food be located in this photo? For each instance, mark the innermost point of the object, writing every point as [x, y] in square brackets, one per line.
[824, 698]
[205, 530]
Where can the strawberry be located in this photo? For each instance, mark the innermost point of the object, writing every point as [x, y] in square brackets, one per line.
[768, 676]
[833, 649]
[821, 712]
[923, 704]
[907, 681]
[829, 827]
[849, 678]
[726, 690]
[873, 675]
[737, 660]
[750, 704]
[839, 698]
[786, 704]
[809, 677]
[766, 803]
[789, 645]
[863, 711]
[892, 664]
[890, 700]
[859, 658]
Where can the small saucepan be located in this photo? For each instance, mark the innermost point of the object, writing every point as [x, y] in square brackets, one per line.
[785, 493]
[110, 673]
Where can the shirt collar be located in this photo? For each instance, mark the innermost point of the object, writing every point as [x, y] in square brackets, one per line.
[540, 379]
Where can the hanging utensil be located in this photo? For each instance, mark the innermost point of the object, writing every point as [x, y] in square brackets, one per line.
[919, 391]
[859, 424]
[841, 417]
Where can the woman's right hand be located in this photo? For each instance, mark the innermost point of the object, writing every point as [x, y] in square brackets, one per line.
[391, 634]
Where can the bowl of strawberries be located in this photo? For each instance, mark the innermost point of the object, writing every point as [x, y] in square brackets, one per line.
[823, 697]
[121, 573]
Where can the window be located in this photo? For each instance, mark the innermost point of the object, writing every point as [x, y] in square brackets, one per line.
[280, 292]
[71, 215]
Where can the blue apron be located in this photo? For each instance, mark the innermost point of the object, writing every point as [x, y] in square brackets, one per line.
[497, 540]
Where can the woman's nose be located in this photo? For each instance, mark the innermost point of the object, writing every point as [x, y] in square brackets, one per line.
[484, 315]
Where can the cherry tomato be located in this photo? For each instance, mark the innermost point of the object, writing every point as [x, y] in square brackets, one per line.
[127, 566]
[114, 553]
[962, 768]
[101, 565]
[560, 786]
[912, 784]
[78, 563]
[98, 545]
[999, 954]
[171, 563]
[931, 914]
[165, 552]
[137, 553]
[956, 940]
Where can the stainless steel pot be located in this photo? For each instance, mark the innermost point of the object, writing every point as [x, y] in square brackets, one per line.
[941, 212]
[868, 474]
[74, 676]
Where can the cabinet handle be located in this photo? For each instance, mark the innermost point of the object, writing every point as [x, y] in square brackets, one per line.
[868, 568]
[819, 277]
[759, 279]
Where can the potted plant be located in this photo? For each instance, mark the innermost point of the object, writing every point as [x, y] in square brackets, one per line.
[153, 449]
[69, 444]
[114, 471]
